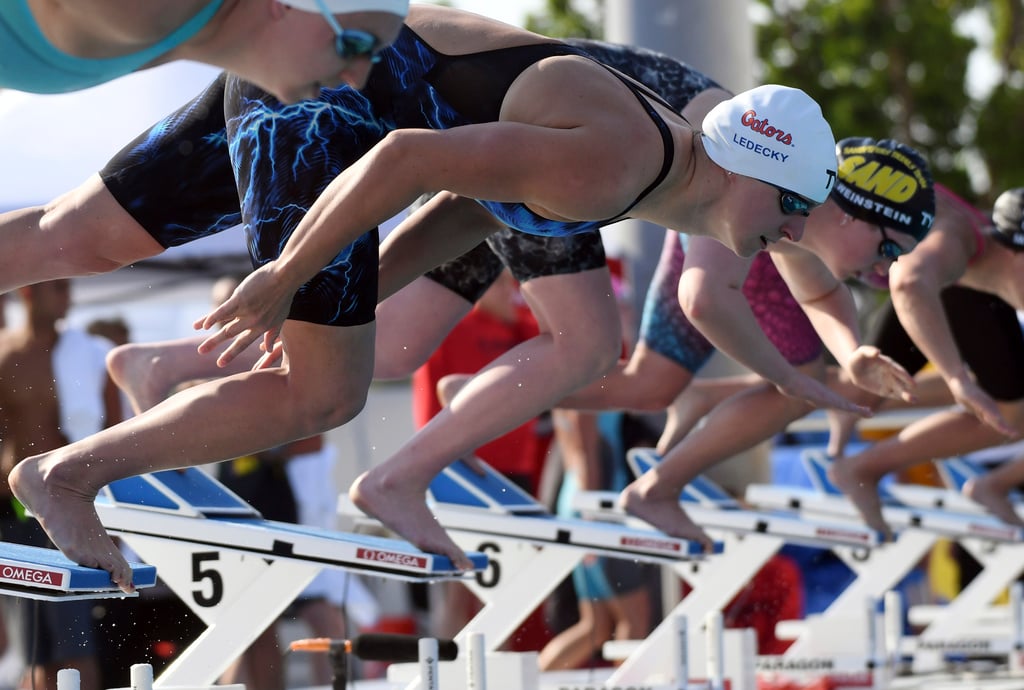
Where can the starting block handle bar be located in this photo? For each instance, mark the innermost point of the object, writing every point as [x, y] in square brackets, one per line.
[68, 679]
[713, 629]
[141, 676]
[682, 654]
[475, 662]
[428, 664]
[893, 612]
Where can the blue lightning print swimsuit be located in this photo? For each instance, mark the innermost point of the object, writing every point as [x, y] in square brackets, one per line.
[270, 161]
[283, 156]
[175, 179]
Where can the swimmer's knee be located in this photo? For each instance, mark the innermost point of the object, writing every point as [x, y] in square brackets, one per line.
[593, 354]
[605, 352]
[328, 410]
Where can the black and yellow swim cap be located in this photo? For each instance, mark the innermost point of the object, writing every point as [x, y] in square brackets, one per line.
[885, 183]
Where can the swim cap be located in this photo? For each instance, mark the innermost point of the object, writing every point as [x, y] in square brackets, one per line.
[1008, 216]
[777, 135]
[399, 7]
[885, 183]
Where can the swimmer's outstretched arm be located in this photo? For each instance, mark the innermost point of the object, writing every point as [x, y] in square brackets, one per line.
[556, 169]
[832, 311]
[916, 282]
[711, 296]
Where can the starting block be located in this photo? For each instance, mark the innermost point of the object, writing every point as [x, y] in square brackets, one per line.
[971, 624]
[825, 499]
[751, 538]
[34, 572]
[883, 568]
[235, 570]
[488, 513]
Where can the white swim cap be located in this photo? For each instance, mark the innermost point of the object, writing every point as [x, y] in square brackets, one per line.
[1008, 217]
[399, 7]
[777, 135]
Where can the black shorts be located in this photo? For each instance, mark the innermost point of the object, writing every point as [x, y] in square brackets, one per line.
[526, 256]
[175, 179]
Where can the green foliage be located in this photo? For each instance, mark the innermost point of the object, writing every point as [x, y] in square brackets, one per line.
[561, 19]
[998, 134]
[1001, 137]
[898, 68]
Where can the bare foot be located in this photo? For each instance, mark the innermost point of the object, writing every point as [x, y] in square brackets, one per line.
[998, 503]
[863, 493]
[68, 516]
[664, 514]
[403, 510]
[132, 368]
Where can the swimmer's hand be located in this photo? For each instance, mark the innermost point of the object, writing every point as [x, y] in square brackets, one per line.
[968, 393]
[812, 390]
[880, 374]
[258, 307]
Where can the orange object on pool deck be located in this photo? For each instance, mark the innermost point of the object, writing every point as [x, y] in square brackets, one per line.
[319, 644]
[376, 647]
[923, 473]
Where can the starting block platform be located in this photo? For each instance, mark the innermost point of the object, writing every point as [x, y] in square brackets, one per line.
[751, 538]
[825, 499]
[34, 572]
[483, 504]
[973, 623]
[530, 550]
[954, 473]
[237, 571]
[918, 528]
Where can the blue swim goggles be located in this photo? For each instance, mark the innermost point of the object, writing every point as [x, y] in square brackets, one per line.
[351, 43]
[791, 203]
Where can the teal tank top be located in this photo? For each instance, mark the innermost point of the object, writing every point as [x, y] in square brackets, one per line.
[28, 62]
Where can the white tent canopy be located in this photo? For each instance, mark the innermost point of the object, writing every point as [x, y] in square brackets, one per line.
[50, 144]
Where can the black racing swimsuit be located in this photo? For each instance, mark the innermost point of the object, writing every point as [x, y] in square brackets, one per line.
[530, 256]
[174, 178]
[987, 334]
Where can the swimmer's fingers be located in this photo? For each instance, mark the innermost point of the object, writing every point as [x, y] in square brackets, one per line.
[240, 338]
[240, 344]
[979, 403]
[272, 353]
[818, 394]
[221, 314]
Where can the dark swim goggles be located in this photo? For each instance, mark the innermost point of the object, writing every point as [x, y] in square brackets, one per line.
[791, 203]
[351, 43]
[888, 248]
